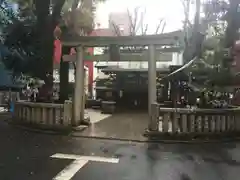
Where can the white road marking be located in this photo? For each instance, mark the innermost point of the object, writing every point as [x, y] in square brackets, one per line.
[79, 161]
[68, 172]
[89, 158]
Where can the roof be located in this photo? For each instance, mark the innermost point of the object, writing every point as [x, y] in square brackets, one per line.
[71, 66]
[117, 69]
[103, 32]
[180, 69]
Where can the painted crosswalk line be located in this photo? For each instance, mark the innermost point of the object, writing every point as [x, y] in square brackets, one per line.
[79, 161]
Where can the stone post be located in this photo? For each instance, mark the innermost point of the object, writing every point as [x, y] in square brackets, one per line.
[78, 108]
[152, 84]
[67, 112]
[154, 117]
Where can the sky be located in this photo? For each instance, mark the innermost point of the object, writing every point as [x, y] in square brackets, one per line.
[171, 10]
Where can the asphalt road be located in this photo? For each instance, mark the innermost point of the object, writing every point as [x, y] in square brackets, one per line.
[27, 156]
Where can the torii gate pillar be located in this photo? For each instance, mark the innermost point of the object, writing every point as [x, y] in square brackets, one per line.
[78, 99]
[152, 85]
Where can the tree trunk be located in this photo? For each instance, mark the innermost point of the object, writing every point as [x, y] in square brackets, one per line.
[46, 24]
[193, 45]
[231, 34]
[186, 13]
[45, 37]
[197, 17]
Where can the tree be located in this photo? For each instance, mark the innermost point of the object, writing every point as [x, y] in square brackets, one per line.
[137, 26]
[214, 58]
[80, 26]
[45, 15]
[223, 18]
[80, 8]
[13, 51]
[193, 38]
[186, 23]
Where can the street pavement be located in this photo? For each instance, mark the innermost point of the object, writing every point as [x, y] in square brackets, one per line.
[34, 156]
[124, 125]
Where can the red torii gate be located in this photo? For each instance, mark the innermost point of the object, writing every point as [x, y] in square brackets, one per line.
[58, 55]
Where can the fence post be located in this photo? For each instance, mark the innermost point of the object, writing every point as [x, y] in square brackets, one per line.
[154, 117]
[67, 112]
[237, 119]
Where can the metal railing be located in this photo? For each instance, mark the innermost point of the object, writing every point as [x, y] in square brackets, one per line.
[195, 121]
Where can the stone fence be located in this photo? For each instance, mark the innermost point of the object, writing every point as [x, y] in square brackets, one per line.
[52, 115]
[183, 121]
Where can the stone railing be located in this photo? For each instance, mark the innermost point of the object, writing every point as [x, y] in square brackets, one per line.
[194, 121]
[44, 113]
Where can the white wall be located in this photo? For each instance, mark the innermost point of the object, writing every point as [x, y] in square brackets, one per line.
[176, 60]
[71, 77]
[56, 75]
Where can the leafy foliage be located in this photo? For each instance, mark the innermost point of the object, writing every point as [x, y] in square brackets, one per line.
[23, 37]
[7, 16]
[215, 10]
[220, 26]
[73, 10]
[17, 45]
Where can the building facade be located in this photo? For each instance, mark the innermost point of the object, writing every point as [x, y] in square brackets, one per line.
[120, 20]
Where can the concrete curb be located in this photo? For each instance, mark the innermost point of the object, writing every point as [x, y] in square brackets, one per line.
[166, 141]
[110, 138]
[40, 129]
[72, 134]
[33, 130]
[187, 138]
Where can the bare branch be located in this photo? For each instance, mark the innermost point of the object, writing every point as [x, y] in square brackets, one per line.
[183, 4]
[135, 23]
[135, 19]
[145, 30]
[189, 24]
[158, 26]
[186, 22]
[141, 22]
[131, 23]
[163, 27]
[116, 29]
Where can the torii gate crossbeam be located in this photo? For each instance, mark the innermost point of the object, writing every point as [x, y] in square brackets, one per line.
[152, 41]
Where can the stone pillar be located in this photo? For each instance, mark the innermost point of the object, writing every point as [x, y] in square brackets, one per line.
[67, 113]
[152, 83]
[64, 77]
[78, 108]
